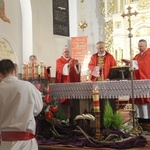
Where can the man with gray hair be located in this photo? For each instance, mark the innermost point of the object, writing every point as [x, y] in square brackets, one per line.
[67, 68]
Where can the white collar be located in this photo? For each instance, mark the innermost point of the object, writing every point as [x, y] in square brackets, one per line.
[65, 57]
[9, 78]
[102, 54]
[143, 52]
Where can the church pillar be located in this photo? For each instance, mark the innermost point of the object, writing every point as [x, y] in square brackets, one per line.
[27, 38]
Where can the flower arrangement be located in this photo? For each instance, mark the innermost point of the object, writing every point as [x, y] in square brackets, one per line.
[50, 111]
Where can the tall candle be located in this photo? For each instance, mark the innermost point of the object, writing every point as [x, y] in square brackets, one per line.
[96, 101]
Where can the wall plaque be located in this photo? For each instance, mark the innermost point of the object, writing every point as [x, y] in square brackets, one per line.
[61, 17]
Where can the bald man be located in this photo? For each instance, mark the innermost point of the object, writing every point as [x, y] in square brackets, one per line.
[141, 72]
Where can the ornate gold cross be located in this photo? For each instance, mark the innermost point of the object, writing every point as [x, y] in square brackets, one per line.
[135, 124]
[129, 14]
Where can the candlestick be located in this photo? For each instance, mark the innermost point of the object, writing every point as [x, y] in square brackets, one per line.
[42, 69]
[30, 70]
[35, 70]
[96, 107]
[96, 100]
[24, 71]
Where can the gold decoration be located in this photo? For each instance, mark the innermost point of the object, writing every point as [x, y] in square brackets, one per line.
[129, 14]
[101, 64]
[135, 128]
[144, 18]
[24, 71]
[83, 24]
[142, 31]
[102, 8]
[6, 50]
[109, 35]
[117, 24]
[112, 7]
[96, 107]
[119, 56]
[143, 5]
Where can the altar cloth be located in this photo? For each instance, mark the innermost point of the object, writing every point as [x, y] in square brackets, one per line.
[107, 89]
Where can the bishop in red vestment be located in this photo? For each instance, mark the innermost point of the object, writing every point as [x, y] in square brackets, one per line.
[100, 65]
[67, 70]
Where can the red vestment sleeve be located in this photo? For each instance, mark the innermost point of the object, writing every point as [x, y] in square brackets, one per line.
[60, 78]
[143, 64]
[143, 72]
[73, 75]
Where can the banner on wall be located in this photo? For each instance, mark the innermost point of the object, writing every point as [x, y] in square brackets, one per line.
[79, 47]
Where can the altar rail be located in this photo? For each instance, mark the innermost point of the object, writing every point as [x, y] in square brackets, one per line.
[107, 89]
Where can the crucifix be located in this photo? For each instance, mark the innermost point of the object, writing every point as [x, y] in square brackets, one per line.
[136, 127]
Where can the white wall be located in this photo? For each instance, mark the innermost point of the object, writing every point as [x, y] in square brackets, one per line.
[27, 33]
[12, 32]
[95, 29]
[46, 46]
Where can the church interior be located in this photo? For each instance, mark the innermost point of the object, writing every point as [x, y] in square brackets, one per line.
[43, 28]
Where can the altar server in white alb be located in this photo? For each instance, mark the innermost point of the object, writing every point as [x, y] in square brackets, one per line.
[20, 101]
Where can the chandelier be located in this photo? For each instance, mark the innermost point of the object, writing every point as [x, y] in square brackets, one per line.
[82, 24]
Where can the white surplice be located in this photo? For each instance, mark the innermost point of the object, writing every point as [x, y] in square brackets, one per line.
[20, 101]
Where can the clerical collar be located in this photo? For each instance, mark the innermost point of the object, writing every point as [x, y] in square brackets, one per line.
[143, 52]
[102, 54]
[66, 58]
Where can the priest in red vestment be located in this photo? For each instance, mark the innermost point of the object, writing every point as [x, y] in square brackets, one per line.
[141, 64]
[67, 68]
[100, 63]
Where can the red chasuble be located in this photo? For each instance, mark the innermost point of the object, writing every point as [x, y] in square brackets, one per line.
[109, 62]
[143, 72]
[73, 75]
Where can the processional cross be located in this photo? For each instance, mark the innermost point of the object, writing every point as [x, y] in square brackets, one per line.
[135, 128]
